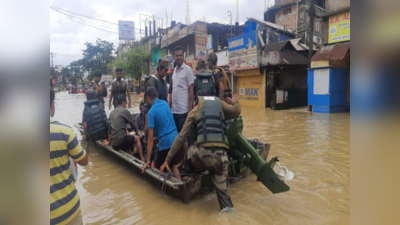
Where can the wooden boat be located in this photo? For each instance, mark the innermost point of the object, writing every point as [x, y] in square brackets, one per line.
[191, 186]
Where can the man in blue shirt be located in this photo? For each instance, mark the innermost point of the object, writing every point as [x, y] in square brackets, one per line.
[162, 125]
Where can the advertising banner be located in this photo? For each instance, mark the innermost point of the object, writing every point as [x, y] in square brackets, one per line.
[126, 30]
[210, 41]
[170, 33]
[201, 41]
[177, 28]
[192, 61]
[339, 28]
[250, 88]
[183, 32]
[243, 52]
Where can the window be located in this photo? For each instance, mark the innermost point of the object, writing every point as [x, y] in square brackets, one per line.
[287, 11]
[320, 3]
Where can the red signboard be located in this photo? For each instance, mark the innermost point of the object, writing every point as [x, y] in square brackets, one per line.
[201, 34]
[201, 41]
[54, 81]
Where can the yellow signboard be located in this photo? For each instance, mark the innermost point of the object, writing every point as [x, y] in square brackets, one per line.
[339, 28]
[136, 83]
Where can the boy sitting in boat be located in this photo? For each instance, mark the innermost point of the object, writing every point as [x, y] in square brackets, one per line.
[120, 117]
[160, 123]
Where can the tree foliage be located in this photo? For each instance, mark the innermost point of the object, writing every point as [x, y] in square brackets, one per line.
[97, 56]
[133, 62]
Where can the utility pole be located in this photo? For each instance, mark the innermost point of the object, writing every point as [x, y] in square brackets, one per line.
[187, 13]
[52, 65]
[237, 11]
[230, 15]
[265, 5]
[311, 34]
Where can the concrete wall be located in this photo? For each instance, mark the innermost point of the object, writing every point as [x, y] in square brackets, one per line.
[335, 5]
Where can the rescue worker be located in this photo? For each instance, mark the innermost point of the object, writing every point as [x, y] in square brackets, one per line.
[119, 87]
[94, 119]
[100, 90]
[222, 86]
[209, 151]
[204, 79]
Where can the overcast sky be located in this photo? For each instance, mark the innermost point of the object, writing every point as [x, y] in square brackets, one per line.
[68, 36]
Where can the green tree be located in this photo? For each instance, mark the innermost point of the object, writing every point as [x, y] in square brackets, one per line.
[133, 62]
[77, 69]
[97, 56]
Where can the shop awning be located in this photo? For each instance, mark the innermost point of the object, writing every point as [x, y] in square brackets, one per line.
[332, 52]
[284, 53]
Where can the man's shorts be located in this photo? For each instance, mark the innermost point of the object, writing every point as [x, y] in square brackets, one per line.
[127, 144]
[180, 120]
[160, 157]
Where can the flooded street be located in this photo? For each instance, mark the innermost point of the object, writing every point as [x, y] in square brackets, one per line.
[316, 147]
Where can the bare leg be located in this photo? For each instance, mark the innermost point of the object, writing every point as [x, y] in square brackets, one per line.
[183, 150]
[139, 146]
[176, 172]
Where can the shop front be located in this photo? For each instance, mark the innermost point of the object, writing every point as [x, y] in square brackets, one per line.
[329, 76]
[250, 87]
[248, 82]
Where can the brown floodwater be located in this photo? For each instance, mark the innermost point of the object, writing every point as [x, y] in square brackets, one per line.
[315, 146]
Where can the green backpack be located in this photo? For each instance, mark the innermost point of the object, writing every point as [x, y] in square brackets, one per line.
[204, 81]
[96, 119]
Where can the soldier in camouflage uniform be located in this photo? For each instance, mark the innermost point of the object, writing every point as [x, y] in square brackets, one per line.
[222, 86]
[100, 90]
[209, 151]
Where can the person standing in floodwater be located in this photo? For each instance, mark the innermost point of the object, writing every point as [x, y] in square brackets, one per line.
[100, 90]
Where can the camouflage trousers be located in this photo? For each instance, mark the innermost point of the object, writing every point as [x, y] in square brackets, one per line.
[215, 160]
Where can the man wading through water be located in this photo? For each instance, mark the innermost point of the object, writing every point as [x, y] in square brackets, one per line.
[209, 151]
[119, 87]
[100, 90]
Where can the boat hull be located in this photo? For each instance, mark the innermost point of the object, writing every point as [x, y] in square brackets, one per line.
[186, 190]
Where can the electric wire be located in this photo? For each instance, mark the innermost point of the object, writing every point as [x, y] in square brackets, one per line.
[94, 23]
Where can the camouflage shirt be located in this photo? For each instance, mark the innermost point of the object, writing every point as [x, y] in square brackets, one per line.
[218, 77]
[230, 112]
[99, 91]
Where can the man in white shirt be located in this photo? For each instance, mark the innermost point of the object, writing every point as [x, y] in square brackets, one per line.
[182, 93]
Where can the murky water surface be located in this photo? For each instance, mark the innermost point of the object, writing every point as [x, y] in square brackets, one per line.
[316, 147]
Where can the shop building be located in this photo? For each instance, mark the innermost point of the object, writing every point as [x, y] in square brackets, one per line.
[329, 75]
